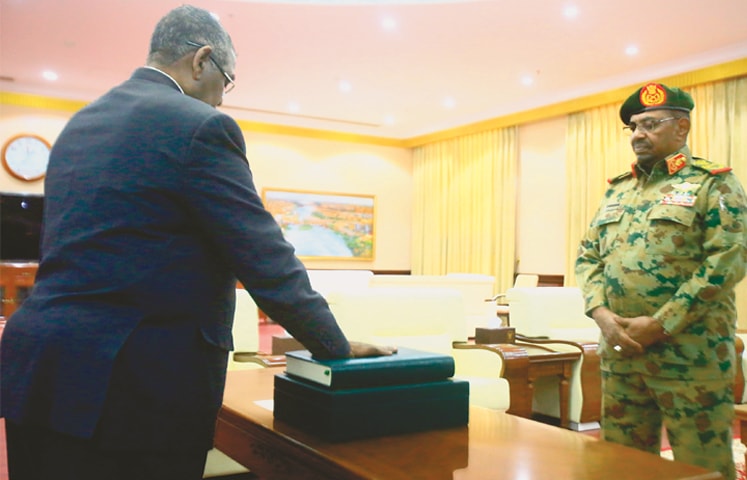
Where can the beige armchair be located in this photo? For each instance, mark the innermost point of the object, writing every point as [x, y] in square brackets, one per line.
[245, 333]
[474, 288]
[502, 311]
[429, 319]
[740, 392]
[554, 317]
[324, 281]
[218, 464]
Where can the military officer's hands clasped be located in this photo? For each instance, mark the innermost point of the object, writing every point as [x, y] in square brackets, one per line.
[614, 332]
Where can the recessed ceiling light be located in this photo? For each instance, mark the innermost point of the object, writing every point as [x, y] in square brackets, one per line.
[631, 50]
[50, 75]
[449, 102]
[570, 11]
[527, 80]
[344, 86]
[388, 23]
[293, 107]
[389, 120]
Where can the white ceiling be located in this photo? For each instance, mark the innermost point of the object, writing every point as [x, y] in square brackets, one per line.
[474, 52]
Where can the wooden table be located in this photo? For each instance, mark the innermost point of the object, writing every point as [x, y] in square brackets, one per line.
[495, 445]
[525, 363]
[16, 279]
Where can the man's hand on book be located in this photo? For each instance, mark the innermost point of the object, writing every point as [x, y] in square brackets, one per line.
[358, 350]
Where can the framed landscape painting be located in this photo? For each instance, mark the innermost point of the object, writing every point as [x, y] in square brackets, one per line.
[324, 225]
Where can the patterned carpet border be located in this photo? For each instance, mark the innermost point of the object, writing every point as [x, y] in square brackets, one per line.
[737, 448]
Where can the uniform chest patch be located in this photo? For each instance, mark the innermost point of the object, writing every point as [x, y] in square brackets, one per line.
[611, 212]
[682, 195]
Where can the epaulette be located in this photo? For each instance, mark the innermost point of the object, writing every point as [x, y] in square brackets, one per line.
[619, 177]
[709, 166]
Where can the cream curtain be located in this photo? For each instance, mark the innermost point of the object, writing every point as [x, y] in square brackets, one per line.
[719, 133]
[464, 208]
[596, 151]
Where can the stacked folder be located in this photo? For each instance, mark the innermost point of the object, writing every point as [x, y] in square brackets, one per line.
[344, 399]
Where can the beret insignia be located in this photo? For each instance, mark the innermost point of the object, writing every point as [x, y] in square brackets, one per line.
[653, 95]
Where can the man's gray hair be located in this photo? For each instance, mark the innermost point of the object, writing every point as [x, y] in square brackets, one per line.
[188, 24]
[680, 114]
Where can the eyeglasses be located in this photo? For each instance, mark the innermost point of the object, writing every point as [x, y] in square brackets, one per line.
[228, 82]
[646, 126]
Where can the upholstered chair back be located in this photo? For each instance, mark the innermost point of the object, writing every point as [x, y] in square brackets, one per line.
[425, 319]
[245, 329]
[554, 312]
[324, 281]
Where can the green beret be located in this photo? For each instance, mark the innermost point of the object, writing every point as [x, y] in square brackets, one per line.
[655, 96]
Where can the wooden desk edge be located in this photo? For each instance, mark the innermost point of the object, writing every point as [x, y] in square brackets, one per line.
[247, 443]
[248, 433]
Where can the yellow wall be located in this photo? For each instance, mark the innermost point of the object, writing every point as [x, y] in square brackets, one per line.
[305, 163]
[298, 163]
[286, 162]
[303, 159]
[15, 120]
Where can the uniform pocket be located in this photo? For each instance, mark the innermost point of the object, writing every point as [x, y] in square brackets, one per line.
[672, 213]
[608, 224]
[673, 231]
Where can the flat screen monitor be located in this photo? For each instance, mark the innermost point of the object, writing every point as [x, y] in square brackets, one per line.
[20, 226]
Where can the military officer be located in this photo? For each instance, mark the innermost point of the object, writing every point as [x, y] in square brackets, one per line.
[658, 266]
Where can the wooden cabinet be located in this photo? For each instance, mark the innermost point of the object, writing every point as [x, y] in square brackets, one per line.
[16, 280]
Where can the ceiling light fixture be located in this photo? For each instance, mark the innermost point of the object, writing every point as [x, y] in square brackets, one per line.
[631, 50]
[388, 23]
[50, 75]
[345, 86]
[570, 11]
[449, 102]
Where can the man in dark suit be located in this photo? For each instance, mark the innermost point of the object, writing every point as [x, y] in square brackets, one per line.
[114, 367]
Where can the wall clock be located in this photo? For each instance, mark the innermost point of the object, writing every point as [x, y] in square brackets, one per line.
[26, 156]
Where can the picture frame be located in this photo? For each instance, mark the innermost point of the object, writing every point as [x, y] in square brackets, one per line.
[325, 225]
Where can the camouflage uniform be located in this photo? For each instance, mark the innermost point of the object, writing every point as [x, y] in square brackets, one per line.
[672, 246]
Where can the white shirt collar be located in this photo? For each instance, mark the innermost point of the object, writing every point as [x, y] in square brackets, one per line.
[170, 77]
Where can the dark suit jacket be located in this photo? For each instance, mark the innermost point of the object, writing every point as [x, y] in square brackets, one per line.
[151, 216]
